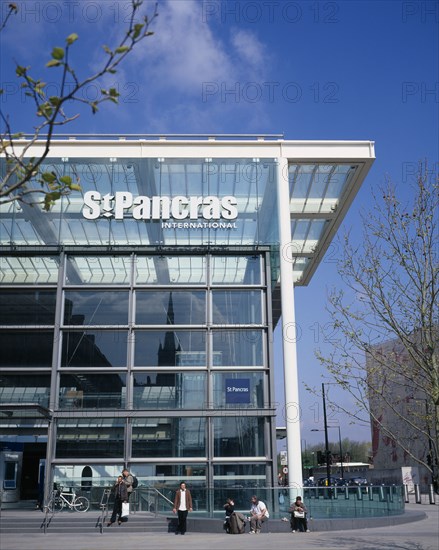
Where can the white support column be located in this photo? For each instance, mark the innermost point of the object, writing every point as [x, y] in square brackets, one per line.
[292, 410]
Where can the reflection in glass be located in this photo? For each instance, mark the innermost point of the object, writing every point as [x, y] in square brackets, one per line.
[94, 348]
[170, 270]
[161, 437]
[37, 270]
[170, 308]
[92, 391]
[239, 347]
[170, 348]
[98, 270]
[90, 438]
[238, 436]
[25, 388]
[91, 307]
[27, 307]
[239, 475]
[236, 307]
[167, 390]
[235, 270]
[20, 349]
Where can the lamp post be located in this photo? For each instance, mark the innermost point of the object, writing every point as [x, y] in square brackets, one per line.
[328, 466]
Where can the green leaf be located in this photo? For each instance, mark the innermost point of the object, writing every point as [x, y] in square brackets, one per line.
[20, 71]
[137, 30]
[66, 180]
[75, 187]
[72, 38]
[107, 49]
[48, 177]
[53, 63]
[58, 53]
[55, 100]
[121, 49]
[113, 92]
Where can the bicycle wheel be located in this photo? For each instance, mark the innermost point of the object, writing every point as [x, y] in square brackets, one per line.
[55, 504]
[81, 504]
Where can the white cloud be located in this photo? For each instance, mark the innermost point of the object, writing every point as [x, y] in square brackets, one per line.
[185, 52]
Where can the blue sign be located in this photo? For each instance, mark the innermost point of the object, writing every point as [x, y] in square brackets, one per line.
[237, 391]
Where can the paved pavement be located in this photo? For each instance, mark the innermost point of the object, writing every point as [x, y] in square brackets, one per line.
[420, 535]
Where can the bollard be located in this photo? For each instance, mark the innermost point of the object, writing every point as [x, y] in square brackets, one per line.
[417, 494]
[406, 494]
[431, 494]
[346, 493]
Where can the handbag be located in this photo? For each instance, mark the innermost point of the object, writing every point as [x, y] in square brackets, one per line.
[299, 514]
[125, 509]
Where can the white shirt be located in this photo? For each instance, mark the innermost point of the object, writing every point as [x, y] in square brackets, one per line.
[259, 508]
[182, 506]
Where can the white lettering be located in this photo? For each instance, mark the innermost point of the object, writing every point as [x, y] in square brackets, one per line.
[230, 212]
[161, 208]
[123, 201]
[177, 210]
[91, 209]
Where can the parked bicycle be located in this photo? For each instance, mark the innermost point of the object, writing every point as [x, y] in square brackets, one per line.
[63, 498]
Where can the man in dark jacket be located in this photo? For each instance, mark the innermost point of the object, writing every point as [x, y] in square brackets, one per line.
[182, 505]
[120, 496]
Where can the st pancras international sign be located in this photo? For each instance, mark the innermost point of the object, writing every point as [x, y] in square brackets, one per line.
[185, 212]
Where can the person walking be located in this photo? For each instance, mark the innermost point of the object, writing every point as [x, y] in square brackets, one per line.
[299, 520]
[182, 505]
[120, 496]
[258, 514]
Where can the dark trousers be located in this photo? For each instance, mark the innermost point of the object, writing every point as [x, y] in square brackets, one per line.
[117, 511]
[299, 524]
[182, 515]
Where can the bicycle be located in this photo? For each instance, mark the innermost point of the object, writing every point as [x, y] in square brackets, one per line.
[62, 498]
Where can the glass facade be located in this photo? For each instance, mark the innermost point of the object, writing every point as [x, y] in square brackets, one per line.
[137, 315]
[129, 344]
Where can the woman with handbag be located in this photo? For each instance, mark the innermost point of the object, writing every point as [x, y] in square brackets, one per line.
[298, 520]
[120, 498]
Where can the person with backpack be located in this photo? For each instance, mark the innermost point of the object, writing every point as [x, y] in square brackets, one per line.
[130, 481]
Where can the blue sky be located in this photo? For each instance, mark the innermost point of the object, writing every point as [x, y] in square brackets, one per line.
[307, 69]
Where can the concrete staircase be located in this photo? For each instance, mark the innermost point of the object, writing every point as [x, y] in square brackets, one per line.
[24, 521]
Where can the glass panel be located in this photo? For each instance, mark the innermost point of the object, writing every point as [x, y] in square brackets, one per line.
[98, 270]
[165, 270]
[92, 391]
[238, 347]
[94, 348]
[20, 349]
[170, 348]
[25, 388]
[90, 438]
[238, 436]
[170, 308]
[27, 307]
[236, 307]
[239, 475]
[91, 307]
[238, 390]
[26, 271]
[162, 437]
[236, 270]
[166, 390]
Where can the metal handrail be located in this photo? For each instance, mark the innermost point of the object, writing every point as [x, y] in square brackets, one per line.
[103, 505]
[47, 511]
